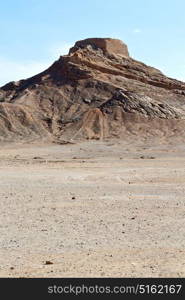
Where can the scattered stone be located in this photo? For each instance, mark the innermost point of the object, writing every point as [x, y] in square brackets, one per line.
[48, 262]
[147, 157]
[87, 100]
[62, 142]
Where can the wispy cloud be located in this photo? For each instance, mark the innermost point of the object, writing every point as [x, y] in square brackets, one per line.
[11, 70]
[16, 70]
[60, 49]
[137, 30]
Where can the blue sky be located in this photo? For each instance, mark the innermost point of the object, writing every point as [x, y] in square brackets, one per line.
[34, 33]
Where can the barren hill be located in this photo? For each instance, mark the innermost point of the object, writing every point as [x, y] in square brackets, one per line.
[96, 91]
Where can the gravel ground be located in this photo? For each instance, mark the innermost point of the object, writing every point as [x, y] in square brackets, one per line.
[93, 209]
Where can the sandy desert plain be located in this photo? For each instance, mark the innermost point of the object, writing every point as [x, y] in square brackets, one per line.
[93, 209]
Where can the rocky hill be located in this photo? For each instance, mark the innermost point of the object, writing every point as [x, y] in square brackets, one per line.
[96, 91]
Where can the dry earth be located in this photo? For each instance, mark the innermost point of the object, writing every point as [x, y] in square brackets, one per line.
[92, 209]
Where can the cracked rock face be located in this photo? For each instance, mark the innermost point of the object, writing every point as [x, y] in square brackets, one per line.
[109, 47]
[96, 91]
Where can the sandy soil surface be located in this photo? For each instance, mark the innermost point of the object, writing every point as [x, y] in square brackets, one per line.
[92, 209]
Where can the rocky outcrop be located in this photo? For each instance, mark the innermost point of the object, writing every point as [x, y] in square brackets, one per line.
[95, 91]
[109, 47]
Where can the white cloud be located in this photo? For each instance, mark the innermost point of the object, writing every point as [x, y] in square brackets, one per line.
[60, 49]
[11, 70]
[15, 70]
[136, 30]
